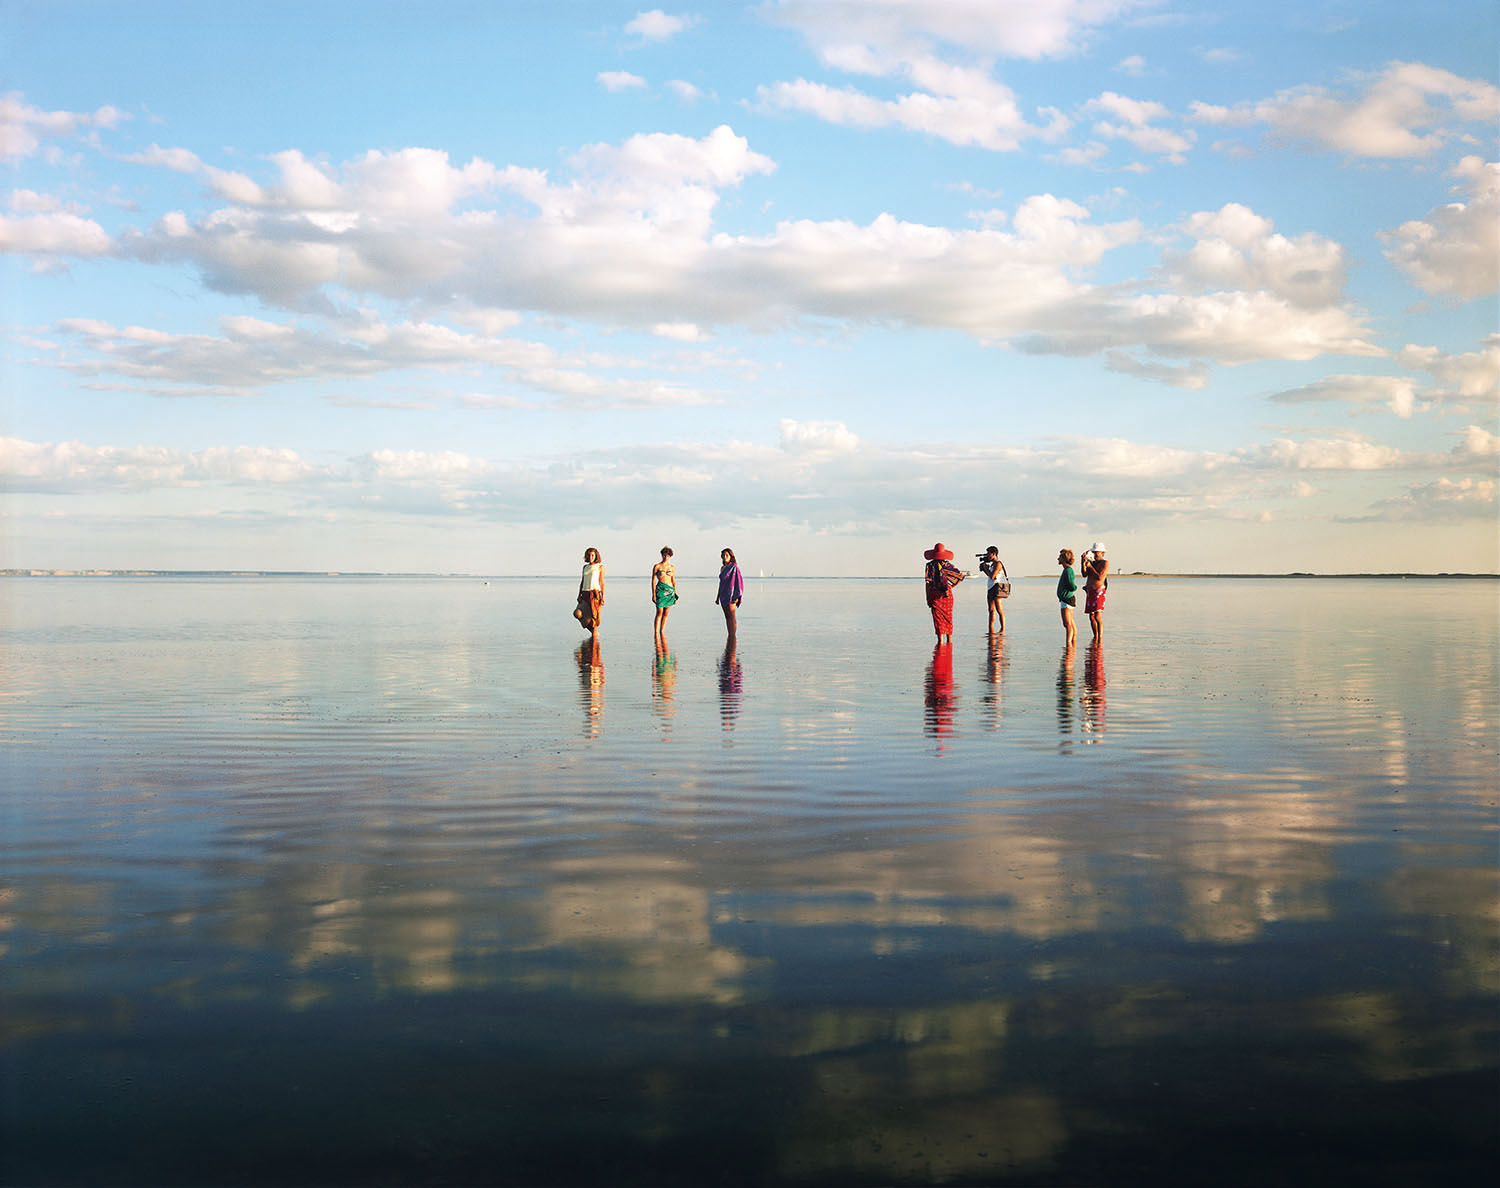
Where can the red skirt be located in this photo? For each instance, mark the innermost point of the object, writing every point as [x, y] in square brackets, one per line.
[942, 614]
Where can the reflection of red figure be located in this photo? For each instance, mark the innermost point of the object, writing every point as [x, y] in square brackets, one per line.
[941, 698]
[1093, 688]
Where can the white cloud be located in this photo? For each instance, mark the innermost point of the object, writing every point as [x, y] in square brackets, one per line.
[1330, 453]
[851, 30]
[657, 25]
[1406, 111]
[1478, 443]
[1471, 376]
[1236, 248]
[817, 437]
[1188, 375]
[72, 465]
[1392, 392]
[628, 238]
[54, 234]
[619, 80]
[1455, 250]
[1444, 499]
[684, 90]
[1132, 122]
[961, 106]
[1135, 65]
[680, 331]
[23, 127]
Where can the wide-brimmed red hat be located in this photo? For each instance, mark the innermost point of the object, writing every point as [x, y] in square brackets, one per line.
[938, 553]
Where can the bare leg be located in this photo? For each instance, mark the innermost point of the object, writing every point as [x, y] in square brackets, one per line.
[1070, 632]
[731, 623]
[1097, 623]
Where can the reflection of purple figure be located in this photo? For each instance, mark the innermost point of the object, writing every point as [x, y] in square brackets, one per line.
[729, 685]
[994, 670]
[1093, 689]
[591, 681]
[1065, 691]
[941, 699]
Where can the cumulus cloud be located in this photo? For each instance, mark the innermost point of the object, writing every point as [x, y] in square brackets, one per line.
[1391, 392]
[252, 353]
[1474, 375]
[846, 32]
[1455, 250]
[684, 90]
[24, 127]
[625, 234]
[657, 25]
[960, 105]
[54, 233]
[1444, 499]
[74, 466]
[817, 437]
[1235, 248]
[619, 80]
[1131, 120]
[1408, 110]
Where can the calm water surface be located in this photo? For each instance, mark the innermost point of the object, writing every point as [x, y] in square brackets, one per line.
[392, 881]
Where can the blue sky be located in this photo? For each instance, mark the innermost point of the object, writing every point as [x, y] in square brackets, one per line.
[468, 287]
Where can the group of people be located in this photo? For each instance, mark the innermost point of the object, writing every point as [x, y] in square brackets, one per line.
[942, 576]
[590, 607]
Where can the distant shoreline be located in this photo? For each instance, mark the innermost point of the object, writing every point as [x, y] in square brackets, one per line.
[314, 573]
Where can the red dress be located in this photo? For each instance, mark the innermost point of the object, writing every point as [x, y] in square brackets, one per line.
[942, 576]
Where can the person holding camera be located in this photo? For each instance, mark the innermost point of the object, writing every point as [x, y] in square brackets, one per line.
[999, 588]
[1095, 584]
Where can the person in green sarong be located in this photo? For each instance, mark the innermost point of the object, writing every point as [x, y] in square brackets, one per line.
[663, 588]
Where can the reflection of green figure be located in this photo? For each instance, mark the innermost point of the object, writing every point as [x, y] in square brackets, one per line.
[664, 680]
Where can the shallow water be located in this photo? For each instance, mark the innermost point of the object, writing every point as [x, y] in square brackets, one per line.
[393, 881]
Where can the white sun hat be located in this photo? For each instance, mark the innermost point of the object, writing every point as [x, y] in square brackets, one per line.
[1096, 547]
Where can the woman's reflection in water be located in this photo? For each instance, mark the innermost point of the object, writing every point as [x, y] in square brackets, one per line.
[994, 670]
[1065, 697]
[729, 685]
[1093, 691]
[664, 682]
[591, 682]
[941, 699]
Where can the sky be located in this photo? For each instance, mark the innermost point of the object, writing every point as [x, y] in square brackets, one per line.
[470, 287]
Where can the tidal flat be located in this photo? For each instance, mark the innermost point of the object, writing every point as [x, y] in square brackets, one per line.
[392, 881]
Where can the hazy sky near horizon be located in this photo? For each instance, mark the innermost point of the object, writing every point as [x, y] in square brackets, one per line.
[468, 287]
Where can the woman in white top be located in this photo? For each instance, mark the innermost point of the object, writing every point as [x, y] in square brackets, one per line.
[591, 592]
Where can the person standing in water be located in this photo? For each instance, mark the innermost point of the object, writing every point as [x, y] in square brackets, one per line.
[1095, 585]
[1067, 594]
[731, 589]
[941, 576]
[663, 588]
[993, 568]
[591, 593]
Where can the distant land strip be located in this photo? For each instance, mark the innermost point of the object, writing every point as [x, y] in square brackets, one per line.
[318, 573]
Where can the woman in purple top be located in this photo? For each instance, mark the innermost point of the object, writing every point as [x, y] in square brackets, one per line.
[731, 588]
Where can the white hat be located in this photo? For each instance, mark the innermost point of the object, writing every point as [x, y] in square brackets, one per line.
[1096, 547]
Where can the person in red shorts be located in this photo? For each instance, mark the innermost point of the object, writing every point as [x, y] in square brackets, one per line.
[1095, 584]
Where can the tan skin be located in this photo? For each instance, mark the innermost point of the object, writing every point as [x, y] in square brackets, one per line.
[1070, 629]
[590, 556]
[1095, 569]
[662, 571]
